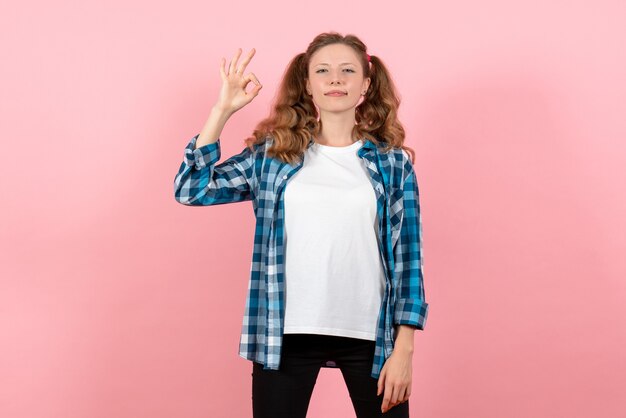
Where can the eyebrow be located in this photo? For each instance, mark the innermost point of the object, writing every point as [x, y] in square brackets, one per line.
[343, 63]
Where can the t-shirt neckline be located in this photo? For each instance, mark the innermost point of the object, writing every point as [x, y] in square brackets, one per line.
[346, 148]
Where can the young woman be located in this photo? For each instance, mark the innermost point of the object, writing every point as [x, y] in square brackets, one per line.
[336, 273]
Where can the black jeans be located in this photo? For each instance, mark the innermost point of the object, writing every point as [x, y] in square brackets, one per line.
[285, 393]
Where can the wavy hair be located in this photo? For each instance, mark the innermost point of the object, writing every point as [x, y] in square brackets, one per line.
[294, 117]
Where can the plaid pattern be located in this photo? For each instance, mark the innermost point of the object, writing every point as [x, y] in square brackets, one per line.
[252, 175]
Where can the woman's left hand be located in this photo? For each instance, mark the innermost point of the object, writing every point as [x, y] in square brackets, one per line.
[395, 378]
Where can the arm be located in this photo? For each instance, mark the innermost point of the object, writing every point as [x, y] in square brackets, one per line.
[411, 309]
[200, 181]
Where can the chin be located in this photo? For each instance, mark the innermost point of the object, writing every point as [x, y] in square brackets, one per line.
[338, 106]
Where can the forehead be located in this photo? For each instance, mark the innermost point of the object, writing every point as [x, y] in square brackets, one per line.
[335, 54]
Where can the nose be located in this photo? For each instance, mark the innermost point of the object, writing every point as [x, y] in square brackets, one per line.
[336, 78]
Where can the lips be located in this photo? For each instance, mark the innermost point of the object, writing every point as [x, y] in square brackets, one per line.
[336, 93]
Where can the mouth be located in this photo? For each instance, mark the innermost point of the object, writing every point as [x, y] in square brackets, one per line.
[336, 93]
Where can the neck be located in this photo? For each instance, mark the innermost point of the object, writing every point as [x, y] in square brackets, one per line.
[336, 129]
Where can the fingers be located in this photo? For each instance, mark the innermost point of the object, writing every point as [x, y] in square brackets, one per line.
[246, 61]
[387, 398]
[394, 395]
[233, 62]
[256, 81]
[242, 67]
[245, 97]
[223, 69]
[396, 398]
[390, 403]
[381, 381]
[404, 396]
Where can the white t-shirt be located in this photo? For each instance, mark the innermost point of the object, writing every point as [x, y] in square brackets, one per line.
[333, 272]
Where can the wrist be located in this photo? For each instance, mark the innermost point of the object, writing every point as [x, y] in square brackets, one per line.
[220, 112]
[404, 338]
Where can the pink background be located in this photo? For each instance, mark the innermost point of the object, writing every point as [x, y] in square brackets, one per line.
[116, 301]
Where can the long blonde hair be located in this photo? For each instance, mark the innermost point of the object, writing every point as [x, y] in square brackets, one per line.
[294, 118]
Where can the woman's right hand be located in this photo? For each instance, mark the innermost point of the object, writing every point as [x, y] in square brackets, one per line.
[233, 95]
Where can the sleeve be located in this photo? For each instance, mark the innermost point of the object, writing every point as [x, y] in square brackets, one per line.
[410, 306]
[200, 181]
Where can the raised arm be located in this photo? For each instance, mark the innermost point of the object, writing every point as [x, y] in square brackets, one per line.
[200, 181]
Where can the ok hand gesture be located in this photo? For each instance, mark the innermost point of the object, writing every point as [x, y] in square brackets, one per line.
[233, 95]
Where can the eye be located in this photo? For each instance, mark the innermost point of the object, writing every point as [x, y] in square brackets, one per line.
[347, 69]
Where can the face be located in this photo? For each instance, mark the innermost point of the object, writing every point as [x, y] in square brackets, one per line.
[336, 67]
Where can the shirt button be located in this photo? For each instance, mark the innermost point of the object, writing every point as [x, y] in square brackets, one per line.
[285, 176]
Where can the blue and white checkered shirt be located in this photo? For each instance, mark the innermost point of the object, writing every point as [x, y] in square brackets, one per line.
[252, 175]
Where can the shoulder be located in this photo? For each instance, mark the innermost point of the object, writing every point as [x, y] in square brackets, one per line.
[257, 149]
[395, 157]
[395, 162]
